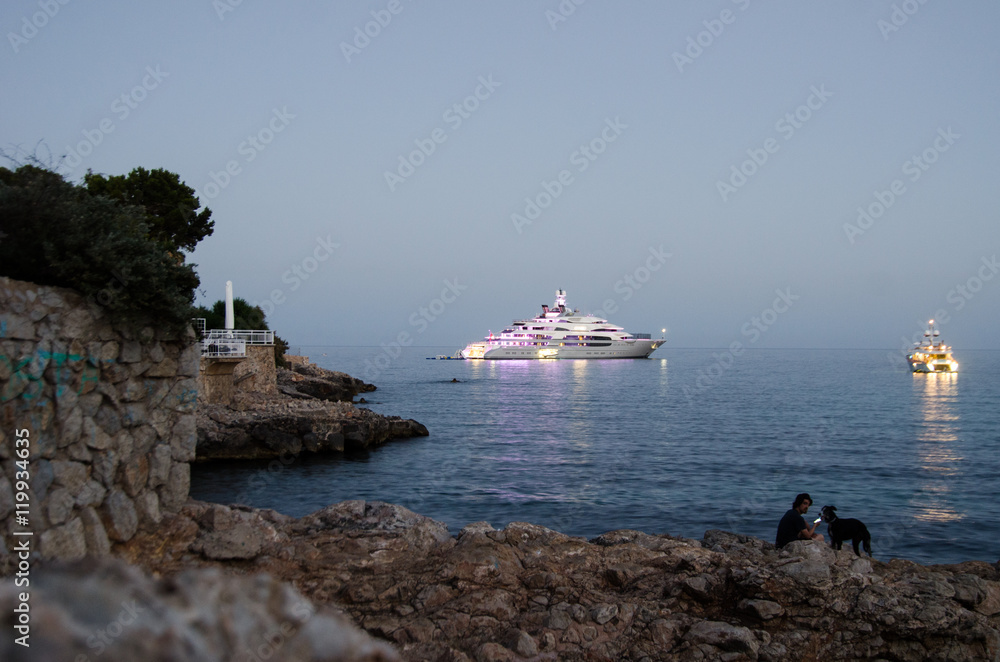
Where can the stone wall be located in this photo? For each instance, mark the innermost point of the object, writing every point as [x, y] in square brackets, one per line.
[258, 373]
[294, 360]
[109, 415]
[215, 380]
[220, 378]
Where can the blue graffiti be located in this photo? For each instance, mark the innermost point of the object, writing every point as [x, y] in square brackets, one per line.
[30, 393]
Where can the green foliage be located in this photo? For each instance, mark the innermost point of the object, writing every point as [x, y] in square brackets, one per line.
[280, 349]
[56, 233]
[171, 206]
[245, 316]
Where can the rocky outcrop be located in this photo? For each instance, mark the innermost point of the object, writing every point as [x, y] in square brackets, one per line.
[311, 412]
[527, 592]
[263, 427]
[305, 380]
[106, 610]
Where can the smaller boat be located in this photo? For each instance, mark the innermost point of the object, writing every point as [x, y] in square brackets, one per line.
[457, 356]
[931, 355]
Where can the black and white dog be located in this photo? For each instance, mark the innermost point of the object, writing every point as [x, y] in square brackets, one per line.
[846, 529]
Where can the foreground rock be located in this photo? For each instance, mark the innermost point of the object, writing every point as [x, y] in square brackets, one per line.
[257, 426]
[526, 592]
[110, 611]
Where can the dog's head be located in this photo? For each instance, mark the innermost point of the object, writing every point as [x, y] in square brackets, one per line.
[828, 513]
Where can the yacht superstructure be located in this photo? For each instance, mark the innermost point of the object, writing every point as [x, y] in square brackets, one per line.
[559, 333]
[932, 355]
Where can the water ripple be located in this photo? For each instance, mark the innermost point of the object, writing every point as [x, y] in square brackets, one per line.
[588, 447]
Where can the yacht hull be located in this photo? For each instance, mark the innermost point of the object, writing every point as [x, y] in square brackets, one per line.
[639, 349]
[920, 366]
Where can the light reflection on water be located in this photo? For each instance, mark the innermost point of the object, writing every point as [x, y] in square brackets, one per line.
[938, 437]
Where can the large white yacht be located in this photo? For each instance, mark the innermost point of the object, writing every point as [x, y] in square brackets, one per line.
[932, 355]
[559, 333]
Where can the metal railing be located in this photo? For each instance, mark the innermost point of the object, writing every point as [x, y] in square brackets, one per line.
[250, 337]
[224, 348]
[232, 342]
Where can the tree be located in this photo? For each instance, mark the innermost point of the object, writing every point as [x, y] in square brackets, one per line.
[56, 233]
[245, 316]
[172, 215]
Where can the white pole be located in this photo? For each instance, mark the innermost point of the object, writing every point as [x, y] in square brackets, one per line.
[230, 316]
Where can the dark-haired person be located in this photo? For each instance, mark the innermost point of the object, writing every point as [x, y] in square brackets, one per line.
[793, 525]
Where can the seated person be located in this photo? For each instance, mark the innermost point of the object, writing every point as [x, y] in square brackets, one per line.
[793, 525]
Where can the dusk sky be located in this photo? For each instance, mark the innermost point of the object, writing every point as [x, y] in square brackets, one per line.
[782, 174]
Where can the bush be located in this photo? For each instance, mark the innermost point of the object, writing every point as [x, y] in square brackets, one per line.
[280, 349]
[55, 233]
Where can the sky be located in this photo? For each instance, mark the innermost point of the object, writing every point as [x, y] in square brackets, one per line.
[780, 174]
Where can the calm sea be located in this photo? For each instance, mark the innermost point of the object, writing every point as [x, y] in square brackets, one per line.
[687, 441]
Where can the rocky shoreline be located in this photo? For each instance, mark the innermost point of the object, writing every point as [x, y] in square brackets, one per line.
[312, 412]
[529, 593]
[374, 581]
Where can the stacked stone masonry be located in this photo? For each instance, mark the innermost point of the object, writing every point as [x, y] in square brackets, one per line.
[110, 418]
[258, 373]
